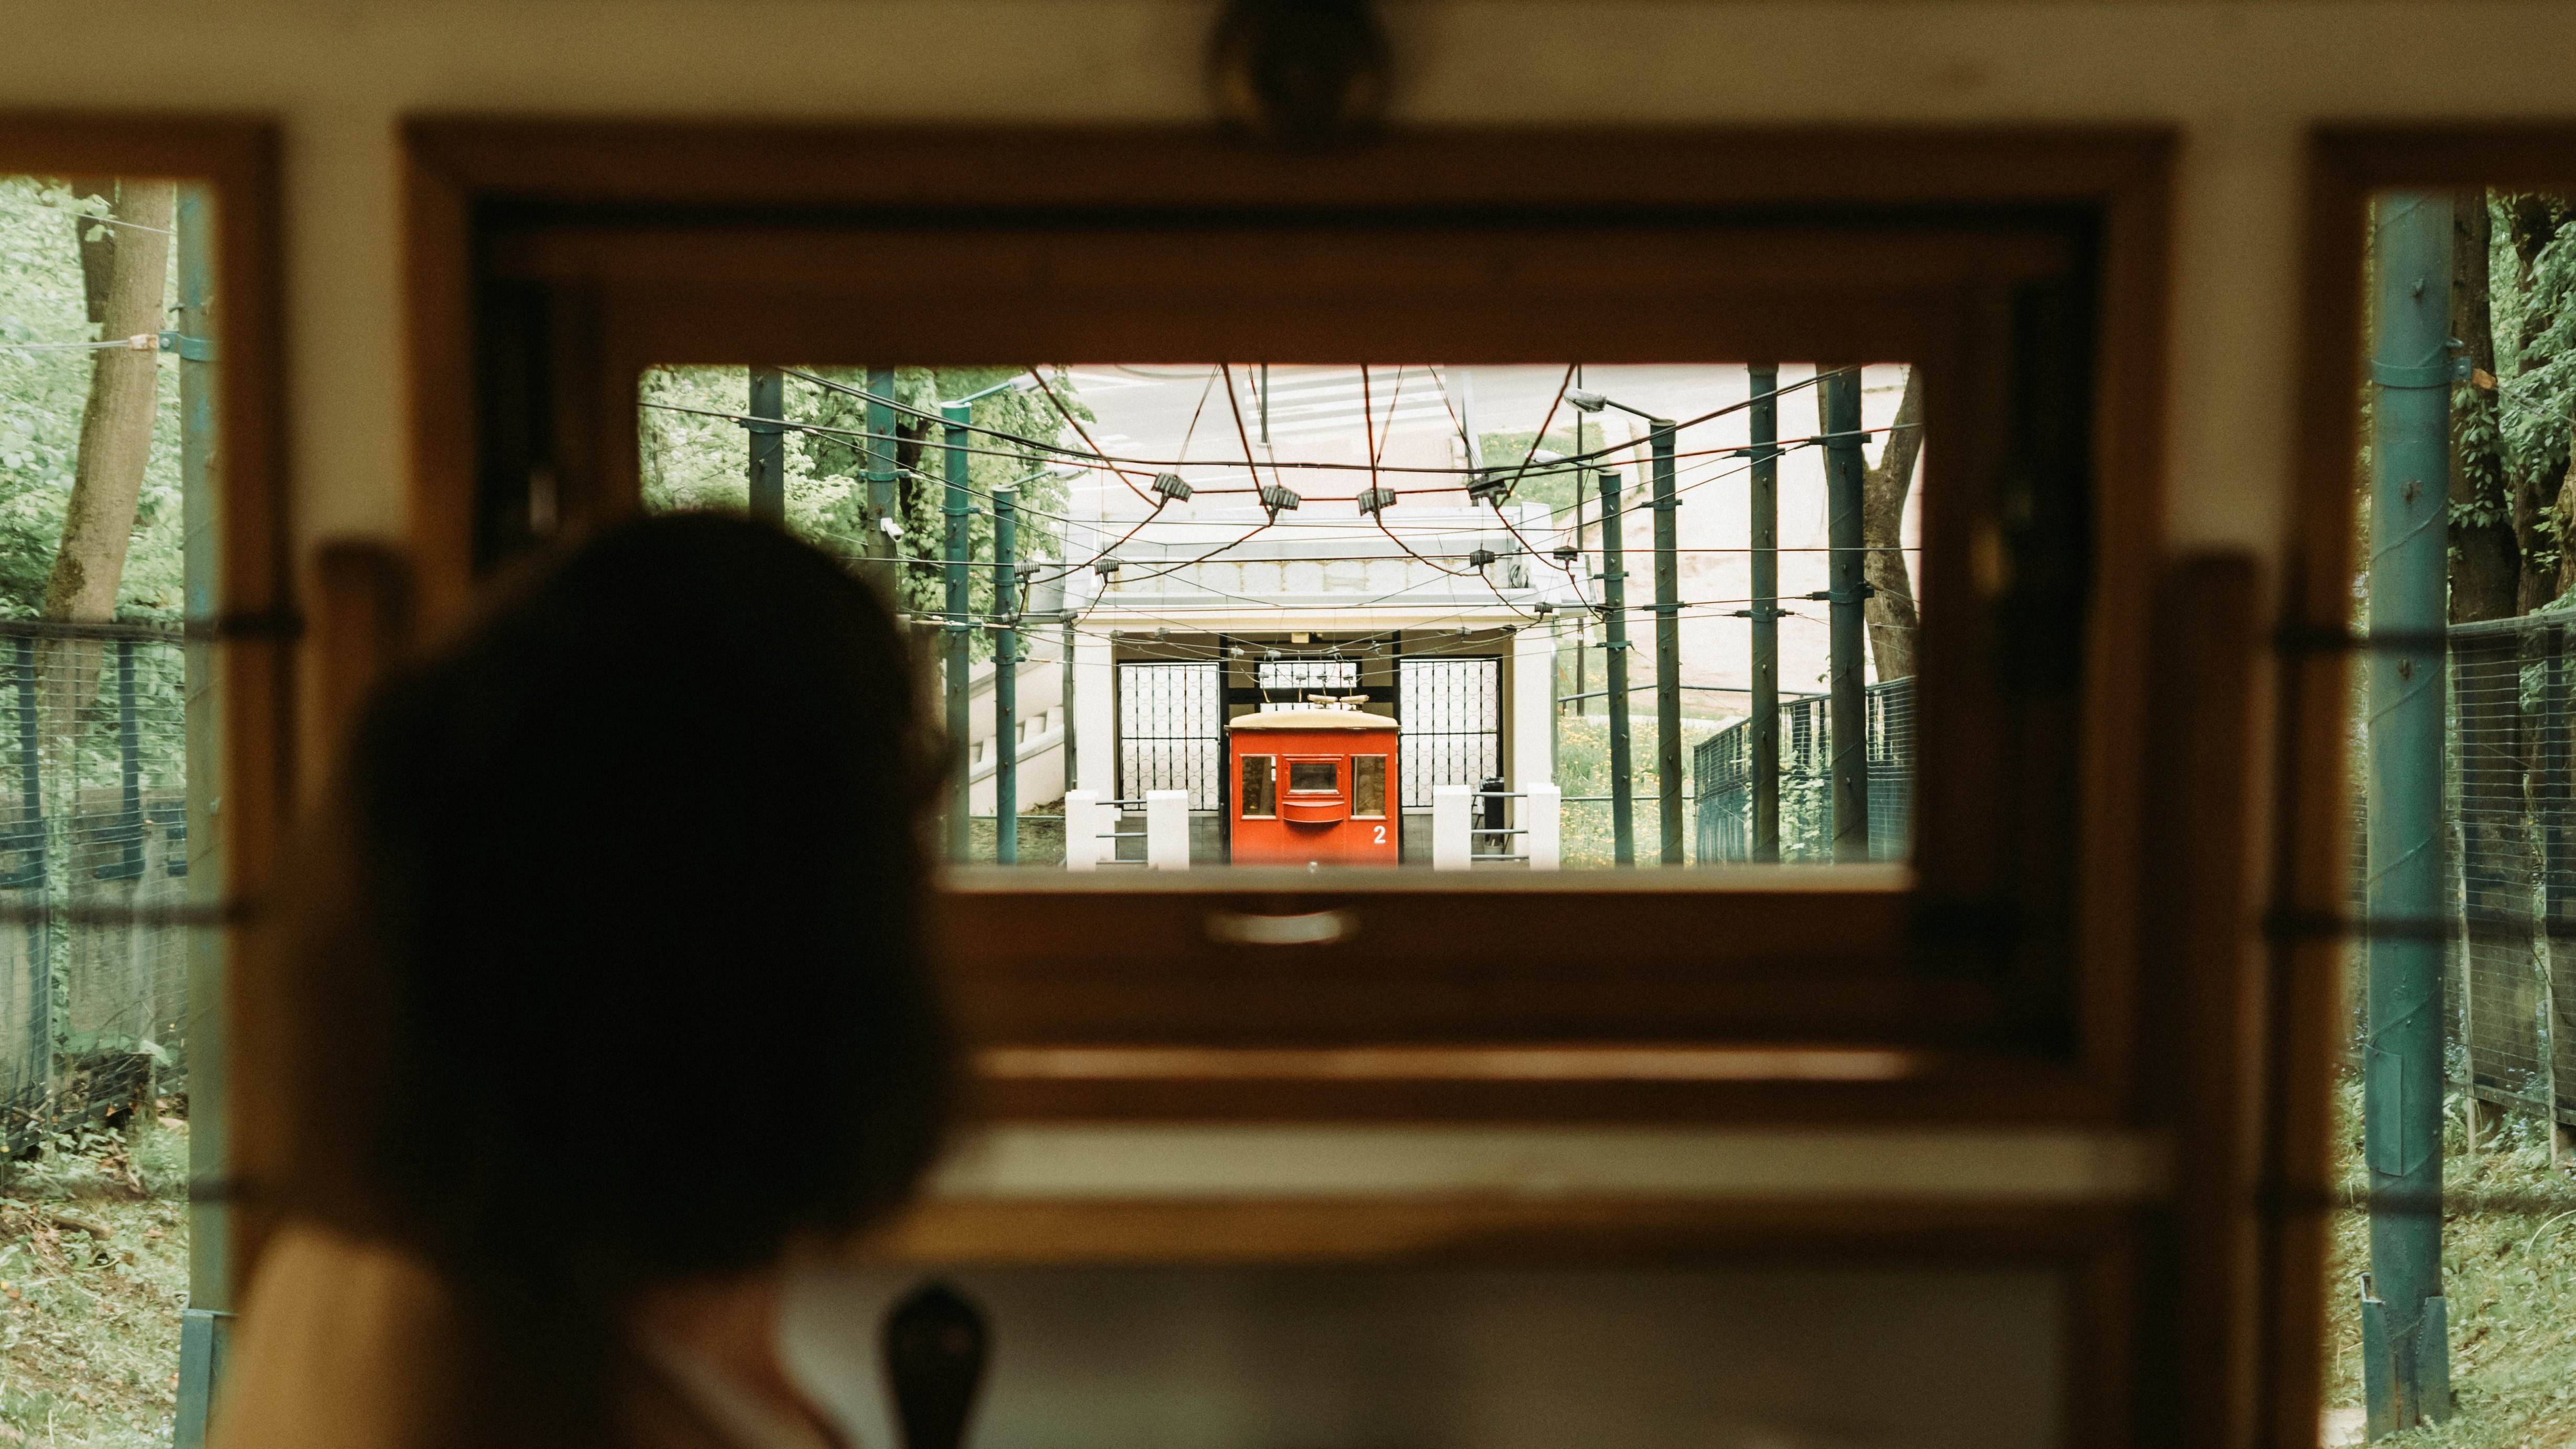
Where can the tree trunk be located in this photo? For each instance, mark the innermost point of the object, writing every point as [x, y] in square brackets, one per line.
[1890, 608]
[116, 423]
[97, 246]
[2532, 221]
[2486, 557]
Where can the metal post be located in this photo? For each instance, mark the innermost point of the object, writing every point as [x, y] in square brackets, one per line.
[1614, 649]
[205, 1325]
[32, 837]
[881, 474]
[1668, 646]
[1764, 735]
[2407, 1377]
[958, 628]
[129, 750]
[1071, 779]
[1848, 585]
[1006, 680]
[768, 445]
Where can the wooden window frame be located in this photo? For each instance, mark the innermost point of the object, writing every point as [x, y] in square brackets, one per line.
[2298, 1008]
[257, 624]
[592, 219]
[2091, 1042]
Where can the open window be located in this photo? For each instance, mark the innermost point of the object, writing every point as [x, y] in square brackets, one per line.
[146, 633]
[2016, 277]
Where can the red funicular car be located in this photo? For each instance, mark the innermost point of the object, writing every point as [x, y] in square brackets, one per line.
[1314, 786]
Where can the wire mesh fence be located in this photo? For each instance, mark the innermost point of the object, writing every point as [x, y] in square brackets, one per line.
[93, 866]
[2512, 836]
[1722, 779]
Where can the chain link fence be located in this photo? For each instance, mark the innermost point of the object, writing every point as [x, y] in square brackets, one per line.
[1722, 779]
[93, 866]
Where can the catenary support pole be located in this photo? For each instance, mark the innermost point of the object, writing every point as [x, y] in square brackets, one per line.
[1763, 735]
[1614, 652]
[877, 543]
[768, 445]
[2405, 1349]
[1006, 679]
[957, 630]
[1668, 646]
[1072, 760]
[1847, 585]
[205, 1325]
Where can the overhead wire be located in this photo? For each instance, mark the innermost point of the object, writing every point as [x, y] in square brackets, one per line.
[1080, 432]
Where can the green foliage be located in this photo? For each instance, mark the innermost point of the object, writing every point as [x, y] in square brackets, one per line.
[1588, 839]
[691, 461]
[1554, 487]
[41, 393]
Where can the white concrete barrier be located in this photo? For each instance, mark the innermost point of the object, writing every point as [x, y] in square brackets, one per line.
[1167, 829]
[1453, 842]
[1542, 814]
[1084, 820]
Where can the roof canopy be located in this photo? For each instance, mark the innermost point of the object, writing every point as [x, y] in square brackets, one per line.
[1312, 719]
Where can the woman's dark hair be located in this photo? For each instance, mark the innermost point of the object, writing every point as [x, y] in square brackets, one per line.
[611, 967]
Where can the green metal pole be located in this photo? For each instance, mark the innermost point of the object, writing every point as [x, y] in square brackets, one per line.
[881, 472]
[1614, 651]
[1071, 759]
[768, 446]
[1006, 680]
[1848, 586]
[205, 1325]
[958, 628]
[2405, 1352]
[1668, 645]
[1764, 735]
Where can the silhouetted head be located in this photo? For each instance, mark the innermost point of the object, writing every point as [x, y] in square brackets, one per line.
[612, 969]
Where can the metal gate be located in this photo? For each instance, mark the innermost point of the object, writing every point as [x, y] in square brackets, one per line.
[1451, 707]
[1171, 731]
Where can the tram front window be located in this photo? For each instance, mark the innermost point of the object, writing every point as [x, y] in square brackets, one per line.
[1368, 785]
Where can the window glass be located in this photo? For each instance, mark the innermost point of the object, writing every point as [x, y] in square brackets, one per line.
[1159, 551]
[1368, 784]
[1313, 776]
[1259, 798]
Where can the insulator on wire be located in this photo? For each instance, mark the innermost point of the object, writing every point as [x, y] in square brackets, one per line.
[1172, 486]
[1105, 567]
[1479, 558]
[1278, 498]
[1566, 553]
[1542, 608]
[1492, 487]
[1374, 501]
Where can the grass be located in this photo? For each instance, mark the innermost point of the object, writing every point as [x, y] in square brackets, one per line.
[89, 1330]
[1588, 840]
[2508, 1278]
